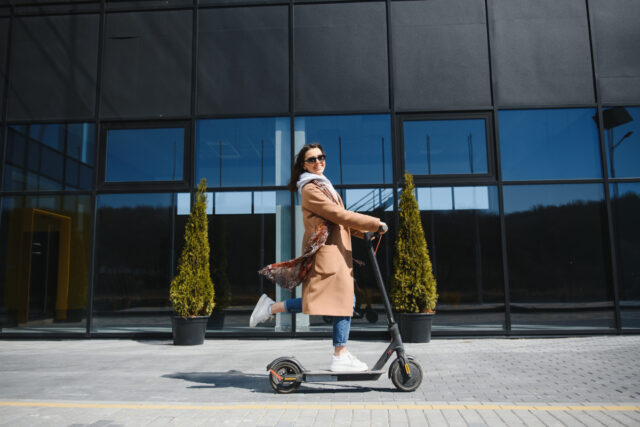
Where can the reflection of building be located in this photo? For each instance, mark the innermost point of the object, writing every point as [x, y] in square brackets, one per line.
[112, 111]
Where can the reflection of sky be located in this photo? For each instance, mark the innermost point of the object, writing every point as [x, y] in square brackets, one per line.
[48, 134]
[359, 143]
[369, 199]
[80, 138]
[80, 141]
[549, 144]
[624, 189]
[151, 200]
[457, 198]
[626, 155]
[448, 143]
[145, 155]
[519, 198]
[243, 152]
[248, 202]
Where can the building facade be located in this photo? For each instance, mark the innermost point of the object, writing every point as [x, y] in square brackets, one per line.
[519, 119]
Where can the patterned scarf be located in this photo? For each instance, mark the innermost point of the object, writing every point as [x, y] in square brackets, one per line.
[289, 274]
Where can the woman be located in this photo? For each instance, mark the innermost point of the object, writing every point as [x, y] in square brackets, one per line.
[327, 288]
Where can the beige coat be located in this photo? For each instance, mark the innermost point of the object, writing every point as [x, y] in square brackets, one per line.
[328, 287]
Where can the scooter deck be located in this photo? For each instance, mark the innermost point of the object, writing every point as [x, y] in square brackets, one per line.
[326, 376]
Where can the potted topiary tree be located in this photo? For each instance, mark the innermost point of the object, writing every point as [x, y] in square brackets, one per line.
[413, 286]
[191, 290]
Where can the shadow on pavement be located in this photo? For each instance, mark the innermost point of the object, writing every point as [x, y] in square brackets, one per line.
[260, 383]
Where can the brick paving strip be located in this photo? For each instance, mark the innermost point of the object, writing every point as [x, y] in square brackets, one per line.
[351, 406]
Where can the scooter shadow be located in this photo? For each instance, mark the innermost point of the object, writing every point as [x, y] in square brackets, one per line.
[258, 383]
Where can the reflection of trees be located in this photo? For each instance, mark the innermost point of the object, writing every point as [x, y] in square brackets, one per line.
[133, 257]
[242, 247]
[556, 254]
[458, 235]
[626, 210]
[220, 264]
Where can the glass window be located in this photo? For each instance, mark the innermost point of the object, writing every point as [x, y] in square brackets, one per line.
[49, 157]
[557, 261]
[358, 148]
[549, 144]
[445, 147]
[139, 241]
[622, 137]
[261, 220]
[243, 152]
[626, 211]
[137, 244]
[462, 228]
[155, 154]
[45, 246]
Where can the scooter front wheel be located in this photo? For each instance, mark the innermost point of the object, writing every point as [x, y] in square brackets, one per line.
[401, 380]
[278, 377]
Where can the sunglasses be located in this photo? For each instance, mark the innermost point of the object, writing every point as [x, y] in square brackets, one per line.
[312, 160]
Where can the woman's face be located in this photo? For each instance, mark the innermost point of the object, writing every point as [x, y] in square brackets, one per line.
[316, 167]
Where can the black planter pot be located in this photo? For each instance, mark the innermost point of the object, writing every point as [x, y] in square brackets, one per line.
[189, 330]
[216, 321]
[415, 327]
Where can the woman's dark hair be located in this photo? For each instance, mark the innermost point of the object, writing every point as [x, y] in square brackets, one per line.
[297, 169]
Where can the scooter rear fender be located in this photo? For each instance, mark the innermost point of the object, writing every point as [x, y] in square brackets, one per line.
[289, 359]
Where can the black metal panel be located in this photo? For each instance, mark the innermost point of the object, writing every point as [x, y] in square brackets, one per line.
[53, 67]
[341, 57]
[616, 33]
[147, 64]
[541, 52]
[243, 60]
[440, 54]
[4, 45]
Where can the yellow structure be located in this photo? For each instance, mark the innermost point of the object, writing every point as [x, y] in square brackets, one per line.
[23, 223]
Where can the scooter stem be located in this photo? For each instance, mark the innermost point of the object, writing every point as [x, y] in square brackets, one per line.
[368, 236]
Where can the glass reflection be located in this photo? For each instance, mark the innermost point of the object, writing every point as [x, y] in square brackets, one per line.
[358, 148]
[45, 243]
[248, 231]
[555, 244]
[138, 239]
[549, 144]
[462, 228]
[243, 152]
[439, 147]
[49, 157]
[626, 211]
[622, 137]
[136, 155]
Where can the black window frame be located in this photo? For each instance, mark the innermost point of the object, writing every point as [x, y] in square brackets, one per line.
[136, 186]
[476, 178]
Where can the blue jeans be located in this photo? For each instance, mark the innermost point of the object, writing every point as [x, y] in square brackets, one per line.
[341, 324]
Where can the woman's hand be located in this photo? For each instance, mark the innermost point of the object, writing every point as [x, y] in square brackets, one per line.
[383, 228]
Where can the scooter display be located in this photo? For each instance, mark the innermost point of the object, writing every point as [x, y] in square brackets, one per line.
[287, 373]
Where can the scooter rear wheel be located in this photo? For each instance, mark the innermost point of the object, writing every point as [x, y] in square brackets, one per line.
[399, 379]
[284, 369]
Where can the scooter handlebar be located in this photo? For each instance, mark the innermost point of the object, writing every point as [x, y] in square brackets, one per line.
[370, 235]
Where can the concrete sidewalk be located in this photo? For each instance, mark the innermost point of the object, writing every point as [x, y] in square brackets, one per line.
[565, 381]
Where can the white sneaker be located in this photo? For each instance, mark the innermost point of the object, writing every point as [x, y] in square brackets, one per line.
[347, 362]
[261, 311]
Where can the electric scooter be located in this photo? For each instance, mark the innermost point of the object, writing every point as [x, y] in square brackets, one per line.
[286, 373]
